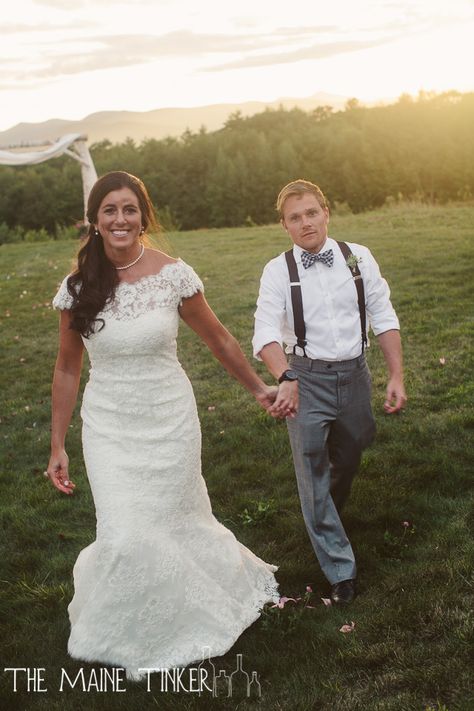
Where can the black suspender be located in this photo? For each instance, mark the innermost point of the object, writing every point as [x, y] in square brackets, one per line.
[359, 285]
[297, 300]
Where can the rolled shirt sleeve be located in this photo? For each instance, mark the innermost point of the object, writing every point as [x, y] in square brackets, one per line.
[271, 308]
[380, 312]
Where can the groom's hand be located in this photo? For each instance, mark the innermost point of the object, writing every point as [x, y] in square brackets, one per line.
[286, 403]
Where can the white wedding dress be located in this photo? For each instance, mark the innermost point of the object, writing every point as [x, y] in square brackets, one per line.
[164, 578]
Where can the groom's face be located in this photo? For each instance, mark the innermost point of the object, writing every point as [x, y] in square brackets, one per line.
[306, 221]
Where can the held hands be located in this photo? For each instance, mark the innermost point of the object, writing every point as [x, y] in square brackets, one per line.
[280, 402]
[395, 396]
[286, 402]
[57, 472]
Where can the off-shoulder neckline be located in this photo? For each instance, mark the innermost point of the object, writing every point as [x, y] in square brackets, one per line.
[150, 276]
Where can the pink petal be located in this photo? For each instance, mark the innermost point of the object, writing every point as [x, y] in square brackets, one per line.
[282, 602]
[347, 628]
[406, 524]
[211, 408]
[309, 588]
[327, 601]
[442, 361]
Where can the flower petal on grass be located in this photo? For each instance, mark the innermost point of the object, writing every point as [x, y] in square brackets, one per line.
[442, 361]
[282, 602]
[326, 601]
[347, 628]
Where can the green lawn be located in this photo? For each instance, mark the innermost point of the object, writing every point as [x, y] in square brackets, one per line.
[412, 644]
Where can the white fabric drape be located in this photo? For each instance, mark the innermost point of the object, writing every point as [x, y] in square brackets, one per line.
[73, 145]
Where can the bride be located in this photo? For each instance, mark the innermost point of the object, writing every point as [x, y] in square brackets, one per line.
[163, 578]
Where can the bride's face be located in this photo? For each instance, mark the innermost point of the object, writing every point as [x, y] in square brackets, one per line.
[119, 221]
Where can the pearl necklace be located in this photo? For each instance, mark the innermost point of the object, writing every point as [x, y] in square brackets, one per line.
[127, 266]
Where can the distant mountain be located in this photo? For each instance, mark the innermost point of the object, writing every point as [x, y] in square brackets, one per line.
[116, 126]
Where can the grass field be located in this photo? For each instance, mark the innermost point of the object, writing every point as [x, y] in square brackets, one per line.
[410, 516]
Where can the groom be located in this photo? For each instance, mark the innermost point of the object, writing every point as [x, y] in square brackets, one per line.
[310, 331]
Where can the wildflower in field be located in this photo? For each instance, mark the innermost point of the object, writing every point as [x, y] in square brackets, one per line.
[282, 602]
[442, 360]
[345, 629]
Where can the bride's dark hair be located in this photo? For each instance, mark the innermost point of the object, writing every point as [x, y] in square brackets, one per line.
[94, 280]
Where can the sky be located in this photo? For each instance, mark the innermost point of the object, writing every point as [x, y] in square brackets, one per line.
[70, 58]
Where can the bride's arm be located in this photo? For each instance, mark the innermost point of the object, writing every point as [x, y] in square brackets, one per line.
[197, 313]
[66, 378]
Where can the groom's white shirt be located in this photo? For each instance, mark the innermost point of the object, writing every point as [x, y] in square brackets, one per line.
[330, 305]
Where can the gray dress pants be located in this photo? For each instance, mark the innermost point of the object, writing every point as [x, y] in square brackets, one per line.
[333, 426]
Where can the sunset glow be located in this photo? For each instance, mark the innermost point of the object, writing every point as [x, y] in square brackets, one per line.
[67, 60]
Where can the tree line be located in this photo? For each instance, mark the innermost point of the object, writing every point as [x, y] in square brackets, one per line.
[414, 149]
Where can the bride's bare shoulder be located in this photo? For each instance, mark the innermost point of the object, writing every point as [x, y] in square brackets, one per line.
[158, 259]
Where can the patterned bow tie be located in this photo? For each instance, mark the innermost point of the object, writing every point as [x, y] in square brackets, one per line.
[327, 258]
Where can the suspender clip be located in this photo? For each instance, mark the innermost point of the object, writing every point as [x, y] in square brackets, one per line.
[302, 349]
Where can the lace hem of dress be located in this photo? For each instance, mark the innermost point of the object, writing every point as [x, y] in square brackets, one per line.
[265, 592]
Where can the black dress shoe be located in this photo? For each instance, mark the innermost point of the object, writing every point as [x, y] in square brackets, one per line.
[344, 592]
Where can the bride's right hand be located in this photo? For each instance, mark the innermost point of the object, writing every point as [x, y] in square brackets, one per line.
[57, 472]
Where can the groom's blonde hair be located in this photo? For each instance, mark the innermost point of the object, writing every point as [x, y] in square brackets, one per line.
[300, 187]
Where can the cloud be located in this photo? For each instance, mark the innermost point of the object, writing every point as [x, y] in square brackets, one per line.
[84, 52]
[66, 4]
[101, 52]
[109, 51]
[315, 51]
[36, 28]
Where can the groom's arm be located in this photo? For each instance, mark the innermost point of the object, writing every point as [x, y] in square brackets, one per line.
[267, 340]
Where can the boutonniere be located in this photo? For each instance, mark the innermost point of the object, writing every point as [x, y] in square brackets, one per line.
[352, 261]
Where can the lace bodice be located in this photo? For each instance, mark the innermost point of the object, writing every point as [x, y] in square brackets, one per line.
[175, 282]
